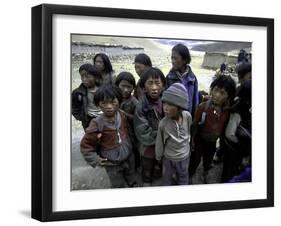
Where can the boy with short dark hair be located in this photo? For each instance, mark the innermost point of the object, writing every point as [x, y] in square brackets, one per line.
[147, 116]
[209, 123]
[83, 107]
[107, 142]
[142, 62]
[172, 142]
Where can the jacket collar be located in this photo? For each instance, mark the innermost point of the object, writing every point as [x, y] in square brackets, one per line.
[190, 77]
[82, 89]
[146, 104]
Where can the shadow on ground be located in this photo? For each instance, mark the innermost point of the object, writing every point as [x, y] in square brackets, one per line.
[86, 177]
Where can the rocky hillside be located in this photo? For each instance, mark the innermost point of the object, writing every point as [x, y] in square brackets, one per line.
[222, 47]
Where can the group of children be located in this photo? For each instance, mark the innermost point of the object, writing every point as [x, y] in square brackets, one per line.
[162, 129]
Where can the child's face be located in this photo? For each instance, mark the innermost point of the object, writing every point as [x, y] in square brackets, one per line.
[88, 80]
[153, 87]
[99, 63]
[126, 88]
[177, 61]
[140, 68]
[109, 107]
[218, 96]
[171, 111]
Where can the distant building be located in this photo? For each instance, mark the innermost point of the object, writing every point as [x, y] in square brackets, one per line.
[214, 60]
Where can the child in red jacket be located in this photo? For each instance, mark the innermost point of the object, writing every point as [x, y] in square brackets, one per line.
[210, 121]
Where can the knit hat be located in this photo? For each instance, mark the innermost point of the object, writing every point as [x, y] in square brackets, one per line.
[176, 94]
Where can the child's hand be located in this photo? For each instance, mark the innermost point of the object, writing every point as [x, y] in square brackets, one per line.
[98, 162]
[102, 161]
[95, 160]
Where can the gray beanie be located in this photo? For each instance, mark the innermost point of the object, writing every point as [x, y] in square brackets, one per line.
[176, 94]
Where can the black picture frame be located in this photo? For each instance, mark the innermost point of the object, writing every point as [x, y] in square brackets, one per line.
[42, 107]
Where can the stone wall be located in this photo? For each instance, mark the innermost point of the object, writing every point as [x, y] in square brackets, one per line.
[214, 60]
[110, 50]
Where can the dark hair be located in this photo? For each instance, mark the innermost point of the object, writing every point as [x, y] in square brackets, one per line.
[85, 67]
[227, 83]
[243, 68]
[125, 76]
[106, 62]
[107, 92]
[144, 59]
[183, 51]
[152, 72]
[92, 70]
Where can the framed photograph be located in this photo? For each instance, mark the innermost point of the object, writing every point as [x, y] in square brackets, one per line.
[145, 112]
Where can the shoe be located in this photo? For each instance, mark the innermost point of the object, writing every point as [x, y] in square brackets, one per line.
[134, 185]
[146, 184]
[205, 176]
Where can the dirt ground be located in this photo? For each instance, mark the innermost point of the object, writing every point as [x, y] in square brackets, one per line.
[86, 177]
